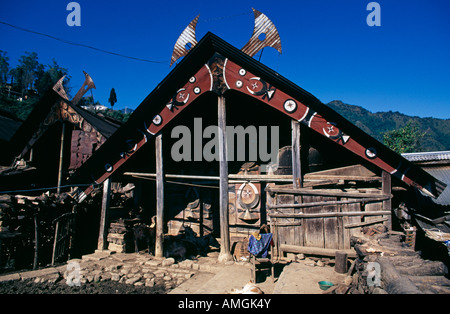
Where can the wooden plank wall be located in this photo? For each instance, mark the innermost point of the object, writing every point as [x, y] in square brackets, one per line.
[321, 232]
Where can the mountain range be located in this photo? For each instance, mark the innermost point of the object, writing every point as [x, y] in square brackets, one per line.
[437, 136]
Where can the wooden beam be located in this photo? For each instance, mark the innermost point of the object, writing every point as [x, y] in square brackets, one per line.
[313, 176]
[159, 243]
[102, 243]
[323, 192]
[315, 250]
[313, 179]
[325, 203]
[225, 254]
[328, 214]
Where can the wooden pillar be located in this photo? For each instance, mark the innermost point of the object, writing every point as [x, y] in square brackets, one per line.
[159, 248]
[225, 254]
[61, 157]
[102, 243]
[297, 179]
[296, 158]
[386, 187]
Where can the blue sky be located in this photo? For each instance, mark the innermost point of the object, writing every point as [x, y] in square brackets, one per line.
[328, 48]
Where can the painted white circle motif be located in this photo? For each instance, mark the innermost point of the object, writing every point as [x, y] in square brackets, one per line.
[108, 167]
[157, 120]
[192, 79]
[371, 153]
[197, 90]
[239, 84]
[290, 106]
[242, 72]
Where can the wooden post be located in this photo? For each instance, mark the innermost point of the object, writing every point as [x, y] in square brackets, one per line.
[386, 187]
[159, 248]
[340, 265]
[61, 158]
[55, 241]
[296, 161]
[102, 243]
[37, 234]
[225, 254]
[297, 179]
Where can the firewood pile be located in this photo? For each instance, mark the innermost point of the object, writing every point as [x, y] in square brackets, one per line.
[388, 263]
[21, 218]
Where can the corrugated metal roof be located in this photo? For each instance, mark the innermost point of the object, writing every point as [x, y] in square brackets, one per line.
[441, 173]
[428, 156]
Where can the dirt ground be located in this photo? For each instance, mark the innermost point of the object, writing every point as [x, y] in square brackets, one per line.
[107, 287]
[290, 278]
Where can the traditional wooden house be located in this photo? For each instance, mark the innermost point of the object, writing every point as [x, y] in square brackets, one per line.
[55, 139]
[330, 178]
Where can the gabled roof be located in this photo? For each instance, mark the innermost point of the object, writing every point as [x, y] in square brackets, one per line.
[51, 108]
[8, 125]
[214, 65]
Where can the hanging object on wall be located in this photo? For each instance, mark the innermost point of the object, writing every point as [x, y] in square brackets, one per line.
[185, 42]
[265, 34]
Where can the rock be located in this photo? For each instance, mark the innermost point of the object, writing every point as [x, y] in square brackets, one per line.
[309, 262]
[131, 281]
[187, 276]
[180, 281]
[153, 263]
[320, 263]
[348, 280]
[149, 275]
[290, 257]
[168, 261]
[300, 257]
[167, 278]
[113, 267]
[150, 282]
[115, 276]
[159, 273]
[378, 290]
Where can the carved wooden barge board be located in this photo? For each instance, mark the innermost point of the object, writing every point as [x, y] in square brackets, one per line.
[219, 75]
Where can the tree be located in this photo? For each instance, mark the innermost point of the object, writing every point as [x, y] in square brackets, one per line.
[25, 73]
[112, 97]
[4, 67]
[47, 79]
[30, 66]
[404, 140]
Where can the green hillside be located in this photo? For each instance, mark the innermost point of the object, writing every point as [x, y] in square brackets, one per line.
[437, 135]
